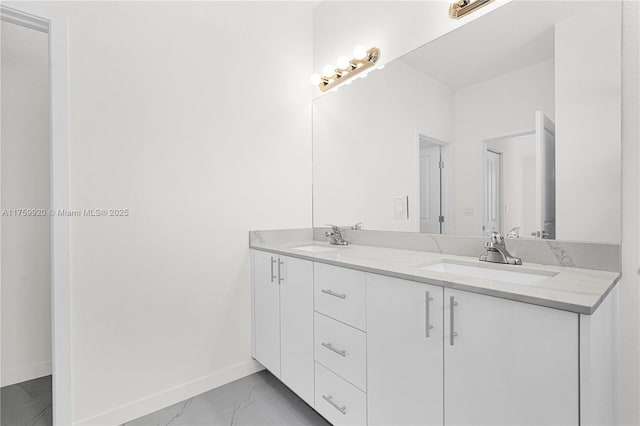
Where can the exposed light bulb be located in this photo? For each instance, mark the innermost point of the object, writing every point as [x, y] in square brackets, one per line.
[315, 79]
[360, 52]
[343, 62]
[328, 70]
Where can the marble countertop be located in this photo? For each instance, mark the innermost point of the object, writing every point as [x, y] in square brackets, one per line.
[569, 289]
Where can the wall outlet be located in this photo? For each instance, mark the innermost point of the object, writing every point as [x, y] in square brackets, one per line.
[401, 207]
[468, 211]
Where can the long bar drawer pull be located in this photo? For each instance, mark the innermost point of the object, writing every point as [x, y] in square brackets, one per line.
[273, 262]
[333, 293]
[341, 408]
[452, 332]
[280, 278]
[331, 348]
[427, 314]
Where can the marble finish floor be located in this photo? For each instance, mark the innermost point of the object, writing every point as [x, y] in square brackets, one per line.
[27, 403]
[258, 399]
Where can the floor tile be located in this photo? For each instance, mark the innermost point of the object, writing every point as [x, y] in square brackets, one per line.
[258, 399]
[27, 403]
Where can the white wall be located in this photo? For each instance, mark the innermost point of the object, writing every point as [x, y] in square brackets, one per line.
[25, 266]
[629, 315]
[365, 155]
[588, 118]
[497, 107]
[197, 118]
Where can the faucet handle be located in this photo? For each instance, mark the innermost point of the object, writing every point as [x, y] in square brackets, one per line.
[357, 226]
[334, 227]
[496, 237]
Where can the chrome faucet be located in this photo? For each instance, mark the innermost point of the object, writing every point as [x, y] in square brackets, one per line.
[497, 251]
[335, 236]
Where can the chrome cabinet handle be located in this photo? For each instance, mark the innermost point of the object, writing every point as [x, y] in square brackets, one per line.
[452, 333]
[427, 314]
[341, 408]
[280, 278]
[329, 346]
[333, 293]
[273, 261]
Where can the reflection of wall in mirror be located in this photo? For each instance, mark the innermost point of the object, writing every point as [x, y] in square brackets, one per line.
[588, 131]
[366, 154]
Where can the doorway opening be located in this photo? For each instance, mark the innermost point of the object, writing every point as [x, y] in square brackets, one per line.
[432, 197]
[40, 167]
[518, 178]
[25, 231]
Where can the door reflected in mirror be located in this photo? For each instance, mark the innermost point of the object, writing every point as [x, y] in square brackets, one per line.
[519, 179]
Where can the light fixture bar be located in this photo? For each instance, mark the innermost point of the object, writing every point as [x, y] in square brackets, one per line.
[355, 67]
[460, 8]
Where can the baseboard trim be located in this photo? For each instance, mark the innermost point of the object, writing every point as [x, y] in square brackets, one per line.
[24, 373]
[147, 405]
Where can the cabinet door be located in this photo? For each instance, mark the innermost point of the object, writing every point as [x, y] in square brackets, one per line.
[404, 355]
[296, 326]
[266, 316]
[510, 363]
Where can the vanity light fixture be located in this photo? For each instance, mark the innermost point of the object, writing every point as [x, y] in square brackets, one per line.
[460, 8]
[345, 68]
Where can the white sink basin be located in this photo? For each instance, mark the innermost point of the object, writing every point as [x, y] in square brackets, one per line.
[314, 248]
[525, 277]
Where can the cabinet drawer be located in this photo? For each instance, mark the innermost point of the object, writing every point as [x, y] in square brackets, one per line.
[340, 293]
[342, 349]
[338, 401]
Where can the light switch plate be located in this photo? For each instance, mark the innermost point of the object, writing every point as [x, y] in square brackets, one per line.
[401, 207]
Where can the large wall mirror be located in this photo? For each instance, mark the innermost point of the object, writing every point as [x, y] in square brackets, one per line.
[510, 123]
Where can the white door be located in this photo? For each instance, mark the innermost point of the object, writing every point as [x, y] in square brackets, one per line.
[266, 310]
[545, 177]
[296, 326]
[510, 363]
[430, 190]
[404, 354]
[492, 188]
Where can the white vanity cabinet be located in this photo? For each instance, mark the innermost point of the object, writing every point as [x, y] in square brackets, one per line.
[340, 344]
[266, 310]
[364, 348]
[509, 363]
[283, 319]
[404, 352]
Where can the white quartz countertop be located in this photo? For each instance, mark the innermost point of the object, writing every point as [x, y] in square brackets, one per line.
[570, 289]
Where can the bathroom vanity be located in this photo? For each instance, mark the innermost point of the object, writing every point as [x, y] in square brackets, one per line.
[508, 124]
[380, 336]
